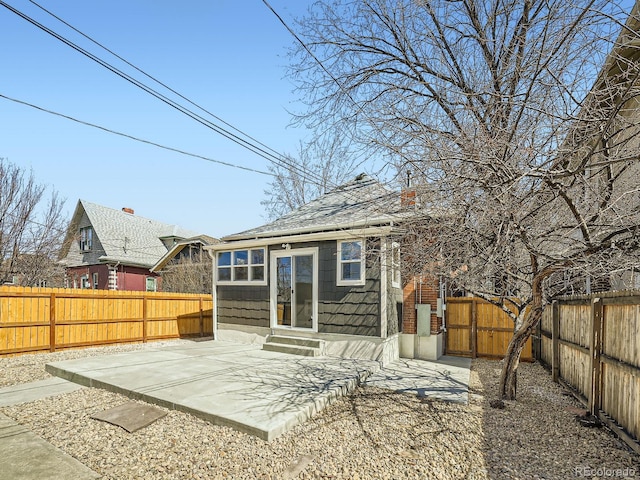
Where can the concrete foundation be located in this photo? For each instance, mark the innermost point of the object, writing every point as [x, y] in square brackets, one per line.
[382, 350]
[429, 347]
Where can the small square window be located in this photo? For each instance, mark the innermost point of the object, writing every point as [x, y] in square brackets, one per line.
[257, 256]
[351, 262]
[224, 258]
[241, 274]
[257, 273]
[241, 257]
[224, 274]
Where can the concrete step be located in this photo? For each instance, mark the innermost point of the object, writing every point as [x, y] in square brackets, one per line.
[297, 341]
[291, 349]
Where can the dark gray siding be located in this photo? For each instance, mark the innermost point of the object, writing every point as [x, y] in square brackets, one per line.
[243, 305]
[347, 310]
[344, 310]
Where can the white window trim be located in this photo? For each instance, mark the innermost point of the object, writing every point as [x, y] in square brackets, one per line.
[363, 274]
[249, 265]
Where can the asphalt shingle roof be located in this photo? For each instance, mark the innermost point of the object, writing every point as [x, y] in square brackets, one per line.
[127, 238]
[360, 202]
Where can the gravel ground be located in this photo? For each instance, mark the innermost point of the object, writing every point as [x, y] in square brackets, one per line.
[372, 433]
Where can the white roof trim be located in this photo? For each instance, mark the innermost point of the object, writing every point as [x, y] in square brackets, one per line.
[309, 237]
[328, 228]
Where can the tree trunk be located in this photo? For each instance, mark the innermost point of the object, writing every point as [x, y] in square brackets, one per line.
[508, 376]
[523, 332]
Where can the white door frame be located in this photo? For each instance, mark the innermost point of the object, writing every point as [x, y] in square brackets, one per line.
[273, 289]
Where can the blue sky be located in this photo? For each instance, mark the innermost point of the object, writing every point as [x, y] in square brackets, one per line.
[227, 56]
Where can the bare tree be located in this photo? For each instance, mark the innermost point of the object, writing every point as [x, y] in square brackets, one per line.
[31, 229]
[321, 165]
[526, 168]
[188, 275]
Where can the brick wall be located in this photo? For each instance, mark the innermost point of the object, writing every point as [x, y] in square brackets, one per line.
[422, 289]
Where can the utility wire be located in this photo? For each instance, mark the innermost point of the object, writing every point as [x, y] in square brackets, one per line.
[319, 62]
[137, 139]
[153, 78]
[278, 159]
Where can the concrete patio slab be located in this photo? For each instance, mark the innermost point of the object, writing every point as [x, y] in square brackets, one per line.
[25, 456]
[445, 379]
[242, 386]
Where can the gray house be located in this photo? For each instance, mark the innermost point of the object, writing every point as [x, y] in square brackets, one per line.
[324, 278]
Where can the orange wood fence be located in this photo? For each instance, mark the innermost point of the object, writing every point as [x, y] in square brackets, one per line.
[477, 328]
[47, 319]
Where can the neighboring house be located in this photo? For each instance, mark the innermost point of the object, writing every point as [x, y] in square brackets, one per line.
[112, 249]
[608, 124]
[186, 267]
[327, 274]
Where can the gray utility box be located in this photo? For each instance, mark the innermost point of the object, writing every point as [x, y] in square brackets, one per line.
[423, 312]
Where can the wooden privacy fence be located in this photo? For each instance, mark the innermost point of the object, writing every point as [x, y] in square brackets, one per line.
[47, 319]
[592, 344]
[477, 328]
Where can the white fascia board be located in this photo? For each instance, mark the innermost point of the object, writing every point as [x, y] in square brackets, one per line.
[314, 229]
[308, 237]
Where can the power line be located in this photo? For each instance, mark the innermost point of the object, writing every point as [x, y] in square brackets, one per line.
[319, 62]
[137, 139]
[152, 77]
[276, 159]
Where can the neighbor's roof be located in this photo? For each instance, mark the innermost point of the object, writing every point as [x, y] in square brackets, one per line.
[362, 202]
[126, 238]
[179, 246]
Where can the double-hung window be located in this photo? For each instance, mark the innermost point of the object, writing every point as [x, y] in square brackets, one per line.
[351, 262]
[242, 266]
[86, 239]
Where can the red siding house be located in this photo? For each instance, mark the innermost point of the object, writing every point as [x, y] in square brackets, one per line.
[111, 249]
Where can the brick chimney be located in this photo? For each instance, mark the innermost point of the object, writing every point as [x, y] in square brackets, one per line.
[127, 210]
[408, 194]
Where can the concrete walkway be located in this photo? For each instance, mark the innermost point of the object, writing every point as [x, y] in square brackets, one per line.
[25, 456]
[28, 392]
[445, 379]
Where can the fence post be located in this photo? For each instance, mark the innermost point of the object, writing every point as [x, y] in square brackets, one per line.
[555, 340]
[144, 318]
[536, 343]
[52, 322]
[474, 329]
[201, 318]
[594, 354]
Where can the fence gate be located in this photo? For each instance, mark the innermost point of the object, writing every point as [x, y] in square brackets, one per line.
[477, 328]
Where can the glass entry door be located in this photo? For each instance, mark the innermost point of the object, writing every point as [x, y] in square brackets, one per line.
[294, 288]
